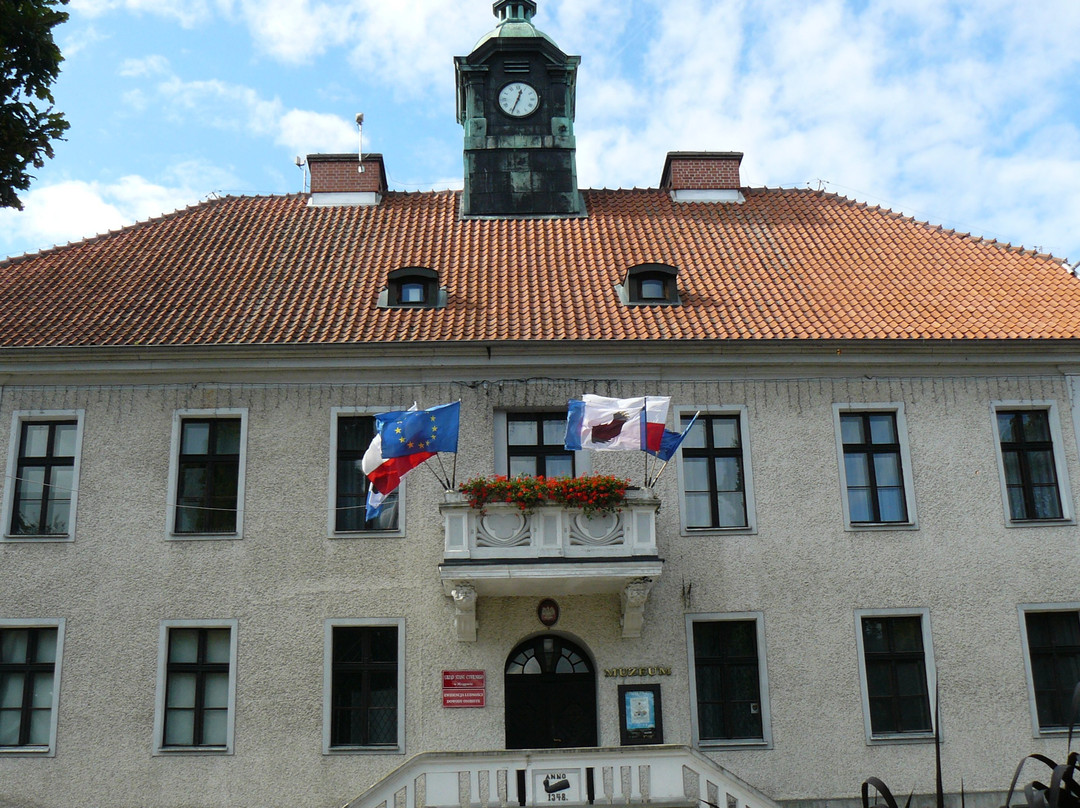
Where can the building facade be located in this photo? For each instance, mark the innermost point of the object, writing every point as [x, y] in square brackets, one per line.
[868, 539]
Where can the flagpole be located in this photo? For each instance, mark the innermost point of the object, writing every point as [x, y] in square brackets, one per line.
[453, 483]
[445, 479]
[645, 436]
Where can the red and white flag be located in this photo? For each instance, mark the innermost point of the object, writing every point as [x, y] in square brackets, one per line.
[616, 424]
[384, 474]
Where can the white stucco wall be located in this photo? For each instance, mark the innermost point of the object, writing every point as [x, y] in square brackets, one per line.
[120, 577]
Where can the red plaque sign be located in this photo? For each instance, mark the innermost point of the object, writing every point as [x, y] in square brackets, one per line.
[464, 688]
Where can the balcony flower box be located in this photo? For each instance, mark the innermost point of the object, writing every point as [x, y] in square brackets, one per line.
[595, 495]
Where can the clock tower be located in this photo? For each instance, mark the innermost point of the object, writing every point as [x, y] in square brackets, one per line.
[515, 99]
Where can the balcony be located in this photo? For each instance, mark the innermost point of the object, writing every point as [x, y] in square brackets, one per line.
[672, 776]
[501, 551]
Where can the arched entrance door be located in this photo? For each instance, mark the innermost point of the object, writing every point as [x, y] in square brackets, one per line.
[550, 695]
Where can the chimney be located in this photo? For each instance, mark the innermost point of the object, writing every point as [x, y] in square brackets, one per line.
[342, 180]
[702, 176]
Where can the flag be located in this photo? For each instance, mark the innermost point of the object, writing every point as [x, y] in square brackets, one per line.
[384, 474]
[670, 442]
[420, 432]
[615, 424]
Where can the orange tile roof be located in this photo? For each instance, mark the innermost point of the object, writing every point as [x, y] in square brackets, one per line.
[786, 264]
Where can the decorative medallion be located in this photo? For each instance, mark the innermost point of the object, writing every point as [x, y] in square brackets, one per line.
[548, 612]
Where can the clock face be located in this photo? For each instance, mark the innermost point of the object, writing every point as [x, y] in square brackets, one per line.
[518, 99]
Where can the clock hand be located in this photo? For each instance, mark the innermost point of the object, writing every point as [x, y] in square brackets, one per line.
[516, 100]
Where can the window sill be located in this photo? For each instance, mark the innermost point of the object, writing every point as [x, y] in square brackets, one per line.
[1052, 732]
[734, 743]
[363, 750]
[901, 738]
[1039, 522]
[367, 534]
[875, 527]
[739, 530]
[193, 750]
[37, 538]
[203, 537]
[43, 751]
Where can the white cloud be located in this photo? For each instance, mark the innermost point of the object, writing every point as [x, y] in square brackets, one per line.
[186, 12]
[154, 65]
[234, 107]
[306, 132]
[75, 209]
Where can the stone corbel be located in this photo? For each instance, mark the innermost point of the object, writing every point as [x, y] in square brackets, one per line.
[634, 595]
[464, 596]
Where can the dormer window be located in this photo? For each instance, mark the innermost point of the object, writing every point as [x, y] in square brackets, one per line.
[650, 285]
[413, 287]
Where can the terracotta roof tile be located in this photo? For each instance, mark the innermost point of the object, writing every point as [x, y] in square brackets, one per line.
[786, 264]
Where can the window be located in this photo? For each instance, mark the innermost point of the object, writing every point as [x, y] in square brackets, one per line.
[715, 471]
[728, 679]
[650, 285]
[896, 664]
[413, 287]
[352, 433]
[42, 470]
[1052, 639]
[208, 473]
[29, 684]
[196, 686]
[535, 445]
[1032, 471]
[874, 466]
[365, 681]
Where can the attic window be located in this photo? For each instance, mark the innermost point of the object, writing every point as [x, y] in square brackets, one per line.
[516, 67]
[413, 287]
[650, 285]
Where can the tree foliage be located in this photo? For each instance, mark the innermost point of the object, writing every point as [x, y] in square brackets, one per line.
[29, 64]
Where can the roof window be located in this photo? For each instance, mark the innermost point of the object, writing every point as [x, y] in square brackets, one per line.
[650, 285]
[413, 287]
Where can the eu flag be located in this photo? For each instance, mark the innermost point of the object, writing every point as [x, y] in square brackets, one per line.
[433, 430]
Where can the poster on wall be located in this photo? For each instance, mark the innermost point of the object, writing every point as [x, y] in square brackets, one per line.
[640, 717]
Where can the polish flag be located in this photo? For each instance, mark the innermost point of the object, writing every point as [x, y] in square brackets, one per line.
[384, 474]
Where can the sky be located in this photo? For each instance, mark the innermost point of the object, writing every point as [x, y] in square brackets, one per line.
[963, 113]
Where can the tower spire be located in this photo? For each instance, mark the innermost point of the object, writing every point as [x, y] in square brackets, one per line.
[514, 10]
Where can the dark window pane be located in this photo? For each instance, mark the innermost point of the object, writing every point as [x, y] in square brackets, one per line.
[712, 469]
[895, 667]
[1027, 455]
[1036, 426]
[364, 694]
[1054, 649]
[44, 478]
[873, 471]
[535, 445]
[728, 679]
[27, 667]
[208, 479]
[197, 687]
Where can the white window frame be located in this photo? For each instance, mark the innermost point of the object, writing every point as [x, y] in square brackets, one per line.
[582, 459]
[162, 679]
[223, 413]
[923, 613]
[1022, 610]
[1068, 517]
[765, 742]
[18, 418]
[331, 509]
[740, 410]
[1073, 383]
[896, 409]
[59, 624]
[328, 683]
